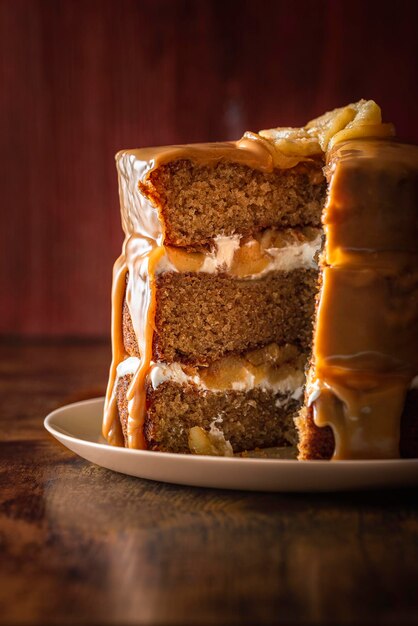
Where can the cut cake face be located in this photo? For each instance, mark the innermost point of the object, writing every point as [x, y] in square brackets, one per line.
[214, 294]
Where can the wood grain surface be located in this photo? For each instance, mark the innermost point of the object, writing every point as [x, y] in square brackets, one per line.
[80, 79]
[82, 545]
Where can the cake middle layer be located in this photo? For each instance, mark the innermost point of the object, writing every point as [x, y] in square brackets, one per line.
[202, 317]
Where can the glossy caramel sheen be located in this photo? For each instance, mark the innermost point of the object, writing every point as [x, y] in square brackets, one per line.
[139, 259]
[144, 229]
[366, 337]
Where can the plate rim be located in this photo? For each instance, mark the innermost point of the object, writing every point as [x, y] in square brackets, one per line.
[192, 458]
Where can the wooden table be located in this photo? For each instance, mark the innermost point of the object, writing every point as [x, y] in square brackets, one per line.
[82, 545]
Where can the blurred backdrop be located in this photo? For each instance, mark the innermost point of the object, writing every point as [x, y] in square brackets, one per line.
[81, 79]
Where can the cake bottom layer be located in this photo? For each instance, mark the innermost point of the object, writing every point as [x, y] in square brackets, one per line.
[318, 443]
[246, 419]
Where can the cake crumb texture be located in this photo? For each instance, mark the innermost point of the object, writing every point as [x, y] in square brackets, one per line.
[198, 202]
[203, 317]
[246, 419]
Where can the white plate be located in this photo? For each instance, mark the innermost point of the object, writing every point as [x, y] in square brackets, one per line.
[78, 427]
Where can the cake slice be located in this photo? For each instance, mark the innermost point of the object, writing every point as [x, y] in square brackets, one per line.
[214, 294]
[222, 310]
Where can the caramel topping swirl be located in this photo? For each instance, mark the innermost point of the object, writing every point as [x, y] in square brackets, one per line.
[360, 119]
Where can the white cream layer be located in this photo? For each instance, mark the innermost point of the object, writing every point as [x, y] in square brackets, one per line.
[295, 256]
[127, 366]
[291, 385]
[286, 258]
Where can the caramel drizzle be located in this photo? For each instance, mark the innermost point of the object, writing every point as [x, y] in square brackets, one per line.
[112, 429]
[365, 421]
[140, 297]
[140, 259]
[365, 336]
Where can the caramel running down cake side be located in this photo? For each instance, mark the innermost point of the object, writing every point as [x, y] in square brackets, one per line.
[362, 384]
[215, 294]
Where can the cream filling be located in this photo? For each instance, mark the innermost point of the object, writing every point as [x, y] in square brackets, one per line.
[297, 256]
[293, 256]
[291, 384]
[223, 256]
[161, 372]
[127, 366]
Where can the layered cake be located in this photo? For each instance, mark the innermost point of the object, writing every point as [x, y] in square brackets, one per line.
[234, 281]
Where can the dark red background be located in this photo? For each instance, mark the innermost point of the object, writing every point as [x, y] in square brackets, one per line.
[81, 79]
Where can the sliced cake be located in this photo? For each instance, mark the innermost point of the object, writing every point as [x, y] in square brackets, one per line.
[214, 294]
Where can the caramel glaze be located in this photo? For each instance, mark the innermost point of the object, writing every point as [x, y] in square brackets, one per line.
[366, 335]
[138, 262]
[112, 429]
[143, 248]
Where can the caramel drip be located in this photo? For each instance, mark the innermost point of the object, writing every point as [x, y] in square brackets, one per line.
[140, 258]
[140, 297]
[366, 336]
[365, 421]
[112, 430]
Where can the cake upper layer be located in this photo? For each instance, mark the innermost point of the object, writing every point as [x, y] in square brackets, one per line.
[205, 191]
[198, 202]
[186, 195]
